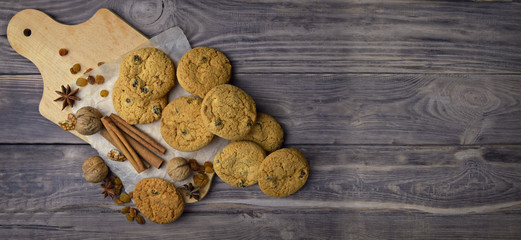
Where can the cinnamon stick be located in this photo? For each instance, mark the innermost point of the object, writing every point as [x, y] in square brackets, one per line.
[138, 135]
[104, 133]
[144, 152]
[123, 145]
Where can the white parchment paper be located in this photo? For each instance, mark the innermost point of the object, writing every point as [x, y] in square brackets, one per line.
[174, 43]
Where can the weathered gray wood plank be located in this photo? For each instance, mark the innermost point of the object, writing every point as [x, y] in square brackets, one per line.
[255, 224]
[437, 180]
[353, 192]
[395, 109]
[319, 37]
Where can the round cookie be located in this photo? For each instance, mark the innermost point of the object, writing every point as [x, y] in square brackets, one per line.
[202, 68]
[238, 163]
[158, 200]
[182, 126]
[283, 172]
[148, 73]
[228, 112]
[136, 111]
[266, 132]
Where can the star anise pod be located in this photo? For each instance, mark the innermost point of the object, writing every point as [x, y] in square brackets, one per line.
[67, 96]
[108, 188]
[191, 191]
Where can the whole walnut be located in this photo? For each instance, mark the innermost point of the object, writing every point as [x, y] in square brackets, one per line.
[178, 169]
[95, 169]
[88, 120]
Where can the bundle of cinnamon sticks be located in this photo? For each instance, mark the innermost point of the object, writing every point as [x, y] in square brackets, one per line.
[132, 141]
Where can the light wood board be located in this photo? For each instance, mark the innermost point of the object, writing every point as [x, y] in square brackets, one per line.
[103, 37]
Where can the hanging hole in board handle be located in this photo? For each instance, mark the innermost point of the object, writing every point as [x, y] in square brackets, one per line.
[27, 32]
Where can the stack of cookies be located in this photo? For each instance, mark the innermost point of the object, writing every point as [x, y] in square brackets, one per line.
[141, 91]
[189, 123]
[218, 108]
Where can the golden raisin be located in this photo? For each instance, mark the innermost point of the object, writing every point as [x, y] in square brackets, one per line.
[131, 194]
[104, 93]
[75, 68]
[125, 210]
[117, 181]
[201, 169]
[81, 82]
[208, 169]
[100, 63]
[201, 180]
[208, 164]
[99, 79]
[129, 217]
[117, 190]
[118, 201]
[133, 212]
[91, 79]
[193, 164]
[124, 198]
[88, 70]
[140, 219]
[63, 52]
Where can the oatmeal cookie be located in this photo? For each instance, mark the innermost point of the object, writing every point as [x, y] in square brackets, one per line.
[283, 172]
[182, 126]
[238, 163]
[228, 112]
[266, 132]
[202, 68]
[158, 200]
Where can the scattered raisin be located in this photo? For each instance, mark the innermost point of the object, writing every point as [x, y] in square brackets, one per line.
[201, 169]
[75, 68]
[208, 169]
[140, 219]
[131, 194]
[81, 82]
[117, 190]
[129, 218]
[124, 198]
[201, 180]
[125, 210]
[208, 164]
[63, 52]
[118, 201]
[193, 164]
[104, 93]
[100, 63]
[91, 79]
[99, 79]
[88, 70]
[133, 212]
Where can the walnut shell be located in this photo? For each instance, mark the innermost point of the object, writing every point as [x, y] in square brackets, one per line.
[178, 169]
[88, 120]
[95, 169]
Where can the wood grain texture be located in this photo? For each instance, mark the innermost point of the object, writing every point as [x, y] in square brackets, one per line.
[437, 180]
[322, 37]
[353, 192]
[393, 109]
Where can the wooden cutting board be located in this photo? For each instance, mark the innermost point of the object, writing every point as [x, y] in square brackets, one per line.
[36, 36]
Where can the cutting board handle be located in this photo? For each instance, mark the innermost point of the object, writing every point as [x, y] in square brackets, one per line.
[38, 37]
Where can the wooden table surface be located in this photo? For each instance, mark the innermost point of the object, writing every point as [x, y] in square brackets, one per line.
[409, 114]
